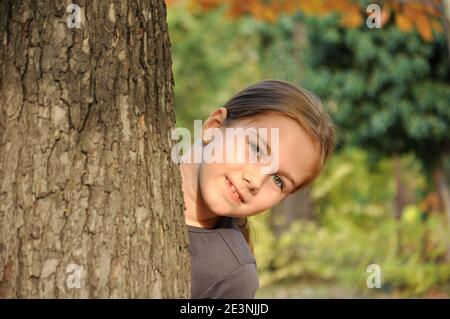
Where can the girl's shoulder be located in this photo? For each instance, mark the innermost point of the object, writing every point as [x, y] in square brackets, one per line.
[219, 255]
[225, 237]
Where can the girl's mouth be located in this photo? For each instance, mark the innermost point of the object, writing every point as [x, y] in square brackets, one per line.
[232, 191]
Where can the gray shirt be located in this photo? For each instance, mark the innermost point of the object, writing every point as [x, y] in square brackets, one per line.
[222, 263]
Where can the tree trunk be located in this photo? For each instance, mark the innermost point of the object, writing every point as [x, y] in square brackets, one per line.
[296, 206]
[442, 188]
[400, 191]
[90, 201]
[399, 200]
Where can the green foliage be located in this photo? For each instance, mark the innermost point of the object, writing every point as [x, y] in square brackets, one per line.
[355, 228]
[389, 91]
[213, 58]
[280, 46]
[347, 185]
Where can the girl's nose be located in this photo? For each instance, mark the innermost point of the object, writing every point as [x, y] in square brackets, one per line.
[253, 180]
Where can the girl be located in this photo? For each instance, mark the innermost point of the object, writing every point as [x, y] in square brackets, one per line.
[220, 196]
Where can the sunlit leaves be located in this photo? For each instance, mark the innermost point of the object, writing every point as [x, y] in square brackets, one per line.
[423, 16]
[389, 89]
[403, 22]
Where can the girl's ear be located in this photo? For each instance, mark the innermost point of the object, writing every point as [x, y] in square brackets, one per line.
[216, 119]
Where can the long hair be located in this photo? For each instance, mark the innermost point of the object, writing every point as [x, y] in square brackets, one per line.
[289, 100]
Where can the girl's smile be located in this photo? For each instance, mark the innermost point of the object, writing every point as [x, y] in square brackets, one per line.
[233, 192]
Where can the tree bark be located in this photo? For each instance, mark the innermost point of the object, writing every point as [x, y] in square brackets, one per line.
[86, 177]
[400, 196]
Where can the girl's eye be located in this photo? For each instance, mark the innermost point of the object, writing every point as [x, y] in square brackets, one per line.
[256, 149]
[277, 180]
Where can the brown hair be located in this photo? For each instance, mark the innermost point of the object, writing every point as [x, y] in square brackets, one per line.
[289, 100]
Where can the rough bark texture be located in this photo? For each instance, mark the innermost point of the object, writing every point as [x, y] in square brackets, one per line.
[86, 176]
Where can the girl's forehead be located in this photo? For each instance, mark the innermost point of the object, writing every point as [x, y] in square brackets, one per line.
[267, 119]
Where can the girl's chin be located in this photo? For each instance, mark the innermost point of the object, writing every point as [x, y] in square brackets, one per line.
[225, 210]
[222, 206]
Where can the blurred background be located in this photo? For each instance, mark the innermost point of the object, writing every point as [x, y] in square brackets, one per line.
[384, 196]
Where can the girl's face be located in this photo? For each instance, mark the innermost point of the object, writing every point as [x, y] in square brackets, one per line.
[297, 160]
